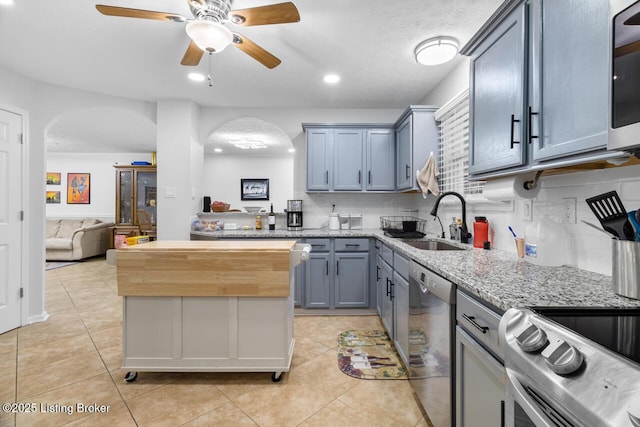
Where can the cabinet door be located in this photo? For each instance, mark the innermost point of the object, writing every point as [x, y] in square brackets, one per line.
[386, 304]
[317, 292]
[498, 70]
[570, 75]
[124, 197]
[480, 385]
[299, 280]
[352, 279]
[347, 159]
[146, 194]
[404, 162]
[401, 316]
[319, 168]
[380, 150]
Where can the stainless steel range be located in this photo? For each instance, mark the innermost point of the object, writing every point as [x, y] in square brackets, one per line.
[572, 367]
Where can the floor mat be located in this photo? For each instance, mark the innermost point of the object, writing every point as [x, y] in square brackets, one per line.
[50, 265]
[369, 354]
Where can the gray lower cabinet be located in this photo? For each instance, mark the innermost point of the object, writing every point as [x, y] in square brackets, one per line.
[298, 284]
[401, 315]
[337, 273]
[480, 384]
[385, 295]
[352, 280]
[480, 374]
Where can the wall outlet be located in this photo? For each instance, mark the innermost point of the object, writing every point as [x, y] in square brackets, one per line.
[527, 210]
[569, 210]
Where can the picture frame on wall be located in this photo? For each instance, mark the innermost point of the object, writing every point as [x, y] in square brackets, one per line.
[53, 197]
[78, 188]
[54, 178]
[254, 189]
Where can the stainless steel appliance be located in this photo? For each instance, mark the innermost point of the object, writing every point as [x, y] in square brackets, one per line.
[294, 215]
[431, 342]
[572, 366]
[624, 98]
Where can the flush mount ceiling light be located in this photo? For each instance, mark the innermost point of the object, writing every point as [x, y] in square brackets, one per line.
[210, 36]
[436, 51]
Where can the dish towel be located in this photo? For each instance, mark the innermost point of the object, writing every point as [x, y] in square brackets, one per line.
[428, 177]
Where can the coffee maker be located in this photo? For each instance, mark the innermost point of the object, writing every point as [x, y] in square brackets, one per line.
[294, 215]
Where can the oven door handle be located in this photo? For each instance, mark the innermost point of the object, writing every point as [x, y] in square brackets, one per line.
[518, 393]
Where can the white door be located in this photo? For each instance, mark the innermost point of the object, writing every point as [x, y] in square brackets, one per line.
[10, 222]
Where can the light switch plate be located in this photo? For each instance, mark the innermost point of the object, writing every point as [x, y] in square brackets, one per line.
[169, 192]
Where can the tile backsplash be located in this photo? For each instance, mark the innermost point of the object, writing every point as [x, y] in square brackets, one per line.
[589, 249]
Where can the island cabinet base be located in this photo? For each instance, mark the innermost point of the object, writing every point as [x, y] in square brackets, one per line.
[208, 334]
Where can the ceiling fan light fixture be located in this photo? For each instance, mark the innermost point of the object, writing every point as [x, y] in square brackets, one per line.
[196, 77]
[436, 51]
[210, 36]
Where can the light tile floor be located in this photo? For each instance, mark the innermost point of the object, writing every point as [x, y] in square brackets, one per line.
[74, 357]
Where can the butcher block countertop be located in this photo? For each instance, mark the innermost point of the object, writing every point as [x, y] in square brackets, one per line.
[249, 268]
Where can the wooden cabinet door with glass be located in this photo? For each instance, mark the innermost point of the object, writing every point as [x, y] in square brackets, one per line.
[136, 191]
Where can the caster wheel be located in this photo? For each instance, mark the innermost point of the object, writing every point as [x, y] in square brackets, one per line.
[276, 377]
[131, 377]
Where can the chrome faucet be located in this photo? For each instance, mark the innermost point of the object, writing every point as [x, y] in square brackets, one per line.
[464, 232]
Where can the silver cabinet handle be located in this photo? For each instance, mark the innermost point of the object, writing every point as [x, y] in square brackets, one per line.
[472, 320]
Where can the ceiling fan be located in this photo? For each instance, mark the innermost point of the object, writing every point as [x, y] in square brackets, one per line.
[208, 32]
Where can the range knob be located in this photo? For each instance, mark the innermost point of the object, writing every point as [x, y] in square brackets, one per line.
[562, 358]
[633, 410]
[531, 338]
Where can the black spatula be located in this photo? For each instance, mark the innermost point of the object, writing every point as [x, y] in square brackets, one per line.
[612, 215]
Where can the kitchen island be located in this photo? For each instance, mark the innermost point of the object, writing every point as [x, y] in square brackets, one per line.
[224, 306]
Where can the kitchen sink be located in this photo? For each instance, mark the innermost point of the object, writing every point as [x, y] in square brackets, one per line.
[433, 245]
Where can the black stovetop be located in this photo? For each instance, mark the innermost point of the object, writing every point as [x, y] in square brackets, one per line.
[617, 329]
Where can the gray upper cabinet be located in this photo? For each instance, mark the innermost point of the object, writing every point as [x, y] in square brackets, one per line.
[347, 159]
[569, 76]
[416, 138]
[319, 165]
[498, 93]
[539, 79]
[350, 157]
[380, 149]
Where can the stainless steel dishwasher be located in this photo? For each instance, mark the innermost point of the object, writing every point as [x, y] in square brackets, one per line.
[432, 342]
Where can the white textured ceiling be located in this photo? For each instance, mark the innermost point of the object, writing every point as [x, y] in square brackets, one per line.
[369, 43]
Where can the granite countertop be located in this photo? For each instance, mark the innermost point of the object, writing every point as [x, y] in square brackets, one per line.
[499, 278]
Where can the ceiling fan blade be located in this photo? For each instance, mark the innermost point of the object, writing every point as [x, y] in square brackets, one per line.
[633, 20]
[255, 51]
[193, 55]
[626, 49]
[280, 13]
[138, 13]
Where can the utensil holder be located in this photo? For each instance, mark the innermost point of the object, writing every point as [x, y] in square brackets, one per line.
[626, 268]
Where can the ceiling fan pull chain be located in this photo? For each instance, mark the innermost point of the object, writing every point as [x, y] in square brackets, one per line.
[209, 76]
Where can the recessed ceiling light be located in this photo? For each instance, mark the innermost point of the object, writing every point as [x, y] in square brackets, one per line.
[291, 150]
[218, 150]
[196, 77]
[331, 78]
[6, 2]
[436, 51]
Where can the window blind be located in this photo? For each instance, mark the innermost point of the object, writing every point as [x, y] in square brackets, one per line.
[453, 165]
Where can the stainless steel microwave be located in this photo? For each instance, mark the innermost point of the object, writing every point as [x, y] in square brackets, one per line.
[624, 94]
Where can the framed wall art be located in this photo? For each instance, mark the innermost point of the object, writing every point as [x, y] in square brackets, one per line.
[254, 189]
[53, 197]
[78, 188]
[53, 178]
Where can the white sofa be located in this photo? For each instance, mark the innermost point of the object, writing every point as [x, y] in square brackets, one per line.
[75, 239]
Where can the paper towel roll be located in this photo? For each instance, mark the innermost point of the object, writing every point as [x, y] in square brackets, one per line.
[509, 188]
